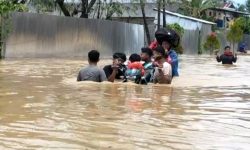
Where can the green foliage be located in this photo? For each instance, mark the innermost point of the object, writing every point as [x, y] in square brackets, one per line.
[180, 30]
[114, 8]
[244, 24]
[242, 8]
[196, 8]
[43, 5]
[6, 7]
[235, 34]
[248, 5]
[211, 43]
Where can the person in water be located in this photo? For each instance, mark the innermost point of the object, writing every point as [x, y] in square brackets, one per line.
[242, 48]
[135, 67]
[117, 69]
[92, 72]
[146, 56]
[162, 70]
[227, 57]
[169, 39]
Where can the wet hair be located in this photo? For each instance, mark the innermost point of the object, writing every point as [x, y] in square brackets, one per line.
[160, 50]
[147, 50]
[120, 56]
[134, 57]
[227, 47]
[93, 56]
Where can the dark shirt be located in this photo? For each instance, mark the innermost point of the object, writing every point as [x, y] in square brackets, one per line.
[226, 59]
[121, 71]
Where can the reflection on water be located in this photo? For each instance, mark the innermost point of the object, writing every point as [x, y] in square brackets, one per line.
[43, 107]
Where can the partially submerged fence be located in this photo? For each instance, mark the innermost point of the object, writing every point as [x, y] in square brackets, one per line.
[36, 35]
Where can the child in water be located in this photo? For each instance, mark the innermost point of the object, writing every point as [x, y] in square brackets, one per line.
[135, 68]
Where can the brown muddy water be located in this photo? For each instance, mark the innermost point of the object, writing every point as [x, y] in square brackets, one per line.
[43, 107]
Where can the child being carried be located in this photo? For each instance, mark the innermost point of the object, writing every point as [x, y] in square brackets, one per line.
[135, 68]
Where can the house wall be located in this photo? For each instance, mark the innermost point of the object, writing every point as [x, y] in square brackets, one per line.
[36, 35]
[221, 15]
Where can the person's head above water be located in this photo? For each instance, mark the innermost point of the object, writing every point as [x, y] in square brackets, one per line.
[121, 57]
[146, 54]
[227, 49]
[167, 38]
[93, 56]
[166, 45]
[159, 53]
[134, 58]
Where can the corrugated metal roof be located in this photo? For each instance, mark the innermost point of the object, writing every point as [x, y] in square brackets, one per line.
[230, 10]
[187, 17]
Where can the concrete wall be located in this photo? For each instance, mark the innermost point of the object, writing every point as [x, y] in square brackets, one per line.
[36, 35]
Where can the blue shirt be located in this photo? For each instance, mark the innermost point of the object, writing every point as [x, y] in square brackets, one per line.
[174, 62]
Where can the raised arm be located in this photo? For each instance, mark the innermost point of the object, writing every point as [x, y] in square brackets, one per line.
[235, 58]
[218, 58]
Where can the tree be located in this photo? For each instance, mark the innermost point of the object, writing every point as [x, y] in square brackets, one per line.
[43, 5]
[7, 6]
[235, 34]
[164, 14]
[158, 14]
[180, 30]
[242, 8]
[196, 8]
[212, 43]
[101, 9]
[113, 8]
[244, 24]
[248, 5]
[142, 4]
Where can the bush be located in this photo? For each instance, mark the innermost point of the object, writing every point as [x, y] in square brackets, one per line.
[212, 43]
[180, 30]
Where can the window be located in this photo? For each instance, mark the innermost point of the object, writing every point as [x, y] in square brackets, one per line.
[210, 13]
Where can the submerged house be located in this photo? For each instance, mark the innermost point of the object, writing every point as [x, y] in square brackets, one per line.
[196, 30]
[225, 14]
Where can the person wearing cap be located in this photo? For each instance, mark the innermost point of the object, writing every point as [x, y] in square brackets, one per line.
[227, 57]
[162, 70]
[146, 56]
[117, 69]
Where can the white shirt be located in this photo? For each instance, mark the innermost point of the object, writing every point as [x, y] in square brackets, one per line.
[167, 71]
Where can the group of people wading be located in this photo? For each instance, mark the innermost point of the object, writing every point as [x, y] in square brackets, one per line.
[157, 63]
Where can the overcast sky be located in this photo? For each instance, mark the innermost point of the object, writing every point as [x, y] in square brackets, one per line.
[240, 1]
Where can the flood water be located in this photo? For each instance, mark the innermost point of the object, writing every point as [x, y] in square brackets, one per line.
[43, 107]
